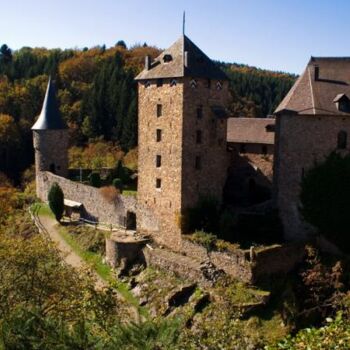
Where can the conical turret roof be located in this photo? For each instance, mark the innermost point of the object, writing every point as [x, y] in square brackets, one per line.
[182, 59]
[50, 116]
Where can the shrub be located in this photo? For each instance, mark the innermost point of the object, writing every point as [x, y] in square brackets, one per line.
[56, 201]
[205, 239]
[118, 184]
[325, 194]
[109, 193]
[95, 179]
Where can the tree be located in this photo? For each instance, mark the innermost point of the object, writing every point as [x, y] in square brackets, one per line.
[5, 54]
[95, 179]
[56, 201]
[325, 193]
[121, 43]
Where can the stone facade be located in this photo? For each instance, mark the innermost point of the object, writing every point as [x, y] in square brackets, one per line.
[191, 151]
[300, 141]
[51, 152]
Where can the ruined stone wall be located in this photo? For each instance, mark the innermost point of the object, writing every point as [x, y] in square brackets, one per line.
[95, 205]
[164, 203]
[51, 151]
[212, 150]
[300, 141]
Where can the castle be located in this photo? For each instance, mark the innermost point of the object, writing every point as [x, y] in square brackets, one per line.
[188, 145]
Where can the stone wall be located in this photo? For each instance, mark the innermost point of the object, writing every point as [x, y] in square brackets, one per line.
[96, 207]
[300, 141]
[51, 151]
[249, 265]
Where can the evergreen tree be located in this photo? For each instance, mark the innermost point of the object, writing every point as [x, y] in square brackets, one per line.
[56, 201]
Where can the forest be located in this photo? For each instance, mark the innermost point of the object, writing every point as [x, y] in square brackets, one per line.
[97, 95]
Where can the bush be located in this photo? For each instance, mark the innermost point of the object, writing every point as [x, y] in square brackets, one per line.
[95, 179]
[109, 193]
[56, 201]
[205, 239]
[325, 194]
[118, 184]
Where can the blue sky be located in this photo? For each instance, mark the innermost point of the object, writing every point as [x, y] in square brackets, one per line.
[272, 34]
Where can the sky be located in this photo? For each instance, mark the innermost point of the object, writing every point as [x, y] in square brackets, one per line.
[272, 34]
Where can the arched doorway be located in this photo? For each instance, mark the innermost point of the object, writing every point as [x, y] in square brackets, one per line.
[130, 220]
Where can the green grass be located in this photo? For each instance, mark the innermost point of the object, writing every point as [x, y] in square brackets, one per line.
[42, 209]
[129, 193]
[95, 261]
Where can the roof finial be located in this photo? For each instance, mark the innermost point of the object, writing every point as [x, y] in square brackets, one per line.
[183, 23]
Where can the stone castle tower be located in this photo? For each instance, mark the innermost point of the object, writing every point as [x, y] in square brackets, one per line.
[50, 138]
[182, 137]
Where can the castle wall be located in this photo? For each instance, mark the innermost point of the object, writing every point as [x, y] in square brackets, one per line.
[300, 141]
[164, 203]
[212, 150]
[95, 205]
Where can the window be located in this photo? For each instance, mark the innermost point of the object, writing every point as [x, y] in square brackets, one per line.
[159, 135]
[159, 110]
[173, 82]
[219, 85]
[198, 136]
[264, 149]
[193, 83]
[147, 83]
[158, 161]
[167, 58]
[159, 82]
[158, 183]
[242, 148]
[198, 163]
[342, 139]
[199, 112]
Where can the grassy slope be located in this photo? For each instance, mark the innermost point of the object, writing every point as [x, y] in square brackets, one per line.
[95, 260]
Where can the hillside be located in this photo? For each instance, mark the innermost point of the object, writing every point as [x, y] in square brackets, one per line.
[97, 95]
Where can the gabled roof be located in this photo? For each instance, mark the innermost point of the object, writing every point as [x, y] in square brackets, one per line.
[324, 80]
[339, 97]
[251, 130]
[199, 65]
[50, 116]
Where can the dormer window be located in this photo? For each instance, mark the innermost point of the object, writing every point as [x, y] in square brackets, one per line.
[167, 58]
[219, 85]
[173, 82]
[342, 103]
[193, 83]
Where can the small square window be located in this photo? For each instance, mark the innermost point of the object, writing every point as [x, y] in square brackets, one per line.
[158, 183]
[159, 110]
[199, 112]
[159, 135]
[198, 136]
[198, 163]
[158, 161]
[159, 82]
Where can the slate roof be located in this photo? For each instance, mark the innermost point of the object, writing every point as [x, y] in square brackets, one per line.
[199, 64]
[250, 130]
[50, 116]
[310, 96]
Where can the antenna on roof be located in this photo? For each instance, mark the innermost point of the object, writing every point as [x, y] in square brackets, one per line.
[183, 23]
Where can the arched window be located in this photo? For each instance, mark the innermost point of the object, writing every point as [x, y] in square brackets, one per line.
[342, 139]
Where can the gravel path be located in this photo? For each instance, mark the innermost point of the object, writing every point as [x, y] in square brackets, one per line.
[67, 253]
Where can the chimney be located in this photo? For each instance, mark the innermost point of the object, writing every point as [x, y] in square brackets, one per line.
[148, 62]
[317, 72]
[186, 59]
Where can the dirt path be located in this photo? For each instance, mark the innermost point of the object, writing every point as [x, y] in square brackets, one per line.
[66, 251]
